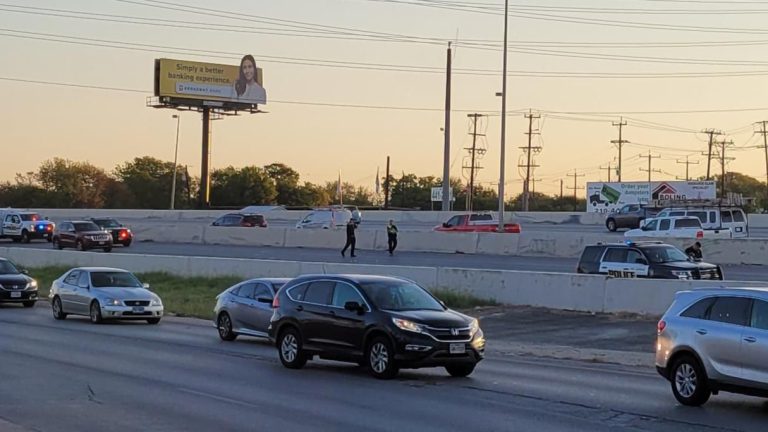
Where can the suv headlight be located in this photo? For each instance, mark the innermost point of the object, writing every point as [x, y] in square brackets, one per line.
[408, 325]
[682, 274]
[112, 302]
[31, 285]
[474, 327]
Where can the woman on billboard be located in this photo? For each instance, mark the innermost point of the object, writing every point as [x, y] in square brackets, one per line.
[247, 89]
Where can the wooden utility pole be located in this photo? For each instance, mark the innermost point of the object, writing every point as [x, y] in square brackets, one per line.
[608, 168]
[723, 160]
[446, 205]
[687, 164]
[620, 142]
[528, 151]
[764, 132]
[708, 154]
[575, 187]
[473, 151]
[649, 170]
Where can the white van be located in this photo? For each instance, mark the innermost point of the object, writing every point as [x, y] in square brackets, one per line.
[714, 218]
[325, 219]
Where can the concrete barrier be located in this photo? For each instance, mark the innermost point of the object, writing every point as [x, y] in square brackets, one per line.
[169, 232]
[244, 236]
[430, 241]
[758, 220]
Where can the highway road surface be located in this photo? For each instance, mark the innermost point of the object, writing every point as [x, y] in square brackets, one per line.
[420, 259]
[62, 376]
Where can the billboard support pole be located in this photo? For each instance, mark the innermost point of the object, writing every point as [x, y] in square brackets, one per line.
[205, 179]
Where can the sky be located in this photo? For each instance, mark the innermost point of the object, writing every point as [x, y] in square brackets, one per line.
[350, 82]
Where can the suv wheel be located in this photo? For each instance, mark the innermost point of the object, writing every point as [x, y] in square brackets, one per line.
[289, 348]
[460, 370]
[381, 359]
[224, 324]
[611, 225]
[25, 236]
[80, 246]
[689, 382]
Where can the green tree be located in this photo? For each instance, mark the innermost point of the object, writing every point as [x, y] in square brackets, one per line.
[312, 195]
[351, 194]
[25, 195]
[148, 181]
[75, 184]
[241, 187]
[286, 183]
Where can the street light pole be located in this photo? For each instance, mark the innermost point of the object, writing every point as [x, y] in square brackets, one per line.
[503, 121]
[175, 161]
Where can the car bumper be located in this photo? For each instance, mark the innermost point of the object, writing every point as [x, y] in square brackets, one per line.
[95, 244]
[40, 234]
[420, 351]
[131, 312]
[663, 372]
[23, 296]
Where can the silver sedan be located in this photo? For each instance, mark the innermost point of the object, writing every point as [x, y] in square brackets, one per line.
[104, 293]
[246, 308]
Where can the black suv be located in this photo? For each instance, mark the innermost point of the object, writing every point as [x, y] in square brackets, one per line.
[16, 286]
[644, 259]
[383, 323]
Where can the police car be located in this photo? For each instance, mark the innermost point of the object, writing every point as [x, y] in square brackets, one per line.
[652, 259]
[23, 226]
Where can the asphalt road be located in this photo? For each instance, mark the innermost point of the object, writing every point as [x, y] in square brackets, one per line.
[419, 259]
[178, 376]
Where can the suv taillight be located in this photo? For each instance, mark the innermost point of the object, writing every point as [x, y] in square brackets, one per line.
[276, 302]
[661, 326]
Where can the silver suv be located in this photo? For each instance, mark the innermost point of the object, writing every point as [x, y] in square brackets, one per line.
[713, 340]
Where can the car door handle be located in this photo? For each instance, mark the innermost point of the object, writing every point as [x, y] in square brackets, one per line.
[750, 339]
[332, 313]
[701, 331]
[299, 308]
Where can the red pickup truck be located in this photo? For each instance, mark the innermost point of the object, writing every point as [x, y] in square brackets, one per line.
[476, 222]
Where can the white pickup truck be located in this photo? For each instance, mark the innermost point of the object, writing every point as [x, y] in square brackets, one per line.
[676, 227]
[23, 226]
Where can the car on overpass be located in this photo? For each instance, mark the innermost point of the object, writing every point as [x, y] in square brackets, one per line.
[246, 308]
[102, 293]
[121, 234]
[382, 323]
[249, 220]
[650, 259]
[676, 227]
[630, 216]
[475, 222]
[16, 286]
[713, 340]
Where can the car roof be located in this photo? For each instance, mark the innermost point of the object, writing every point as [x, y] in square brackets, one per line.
[96, 269]
[78, 221]
[355, 278]
[724, 291]
[268, 280]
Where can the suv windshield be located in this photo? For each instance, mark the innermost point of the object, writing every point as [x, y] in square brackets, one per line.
[106, 279]
[396, 295]
[664, 254]
[30, 217]
[86, 226]
[7, 268]
[107, 223]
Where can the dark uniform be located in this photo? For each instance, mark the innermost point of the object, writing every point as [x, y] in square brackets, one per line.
[392, 237]
[694, 252]
[350, 238]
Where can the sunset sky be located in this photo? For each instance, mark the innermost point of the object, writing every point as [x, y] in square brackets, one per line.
[649, 61]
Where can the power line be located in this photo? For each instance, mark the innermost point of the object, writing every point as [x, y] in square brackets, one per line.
[650, 170]
[687, 165]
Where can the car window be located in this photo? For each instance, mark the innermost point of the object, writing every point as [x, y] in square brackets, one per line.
[663, 213]
[618, 255]
[219, 221]
[759, 315]
[453, 221]
[664, 226]
[700, 309]
[731, 310]
[262, 291]
[712, 217]
[71, 279]
[591, 254]
[86, 226]
[8, 218]
[687, 223]
[298, 292]
[635, 257]
[480, 217]
[702, 215]
[83, 280]
[634, 208]
[231, 220]
[651, 226]
[343, 293]
[319, 292]
[726, 216]
[235, 291]
[247, 290]
[738, 216]
[114, 279]
[677, 213]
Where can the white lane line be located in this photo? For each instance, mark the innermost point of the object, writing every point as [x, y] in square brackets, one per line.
[218, 398]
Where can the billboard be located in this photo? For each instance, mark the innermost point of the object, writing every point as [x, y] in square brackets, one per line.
[610, 197]
[200, 82]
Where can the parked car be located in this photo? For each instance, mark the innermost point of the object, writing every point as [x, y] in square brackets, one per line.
[121, 234]
[241, 220]
[24, 226]
[82, 235]
[104, 294]
[714, 217]
[652, 259]
[325, 218]
[630, 216]
[476, 222]
[713, 340]
[384, 323]
[246, 308]
[676, 227]
[16, 286]
[357, 215]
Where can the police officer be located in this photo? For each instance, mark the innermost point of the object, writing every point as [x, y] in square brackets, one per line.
[351, 226]
[392, 236]
[694, 251]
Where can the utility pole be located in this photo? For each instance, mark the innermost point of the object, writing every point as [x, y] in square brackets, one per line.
[386, 187]
[175, 162]
[764, 132]
[503, 146]
[620, 142]
[529, 150]
[608, 168]
[473, 151]
[687, 164]
[649, 170]
[561, 188]
[708, 154]
[447, 138]
[723, 160]
[575, 187]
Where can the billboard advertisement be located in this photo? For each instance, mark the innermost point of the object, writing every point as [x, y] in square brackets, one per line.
[605, 197]
[210, 82]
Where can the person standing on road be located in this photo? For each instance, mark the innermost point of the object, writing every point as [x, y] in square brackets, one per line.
[351, 226]
[392, 236]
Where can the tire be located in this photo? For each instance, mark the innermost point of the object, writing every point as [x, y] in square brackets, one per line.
[289, 349]
[153, 321]
[611, 225]
[460, 370]
[29, 304]
[25, 236]
[95, 314]
[224, 325]
[126, 244]
[58, 310]
[381, 358]
[80, 246]
[57, 244]
[689, 382]
[49, 238]
[108, 249]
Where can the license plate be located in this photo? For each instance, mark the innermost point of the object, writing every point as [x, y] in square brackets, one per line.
[101, 243]
[15, 295]
[458, 348]
[138, 309]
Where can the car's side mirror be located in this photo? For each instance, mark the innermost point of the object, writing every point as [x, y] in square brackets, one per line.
[354, 306]
[446, 225]
[443, 303]
[145, 285]
[85, 286]
[25, 271]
